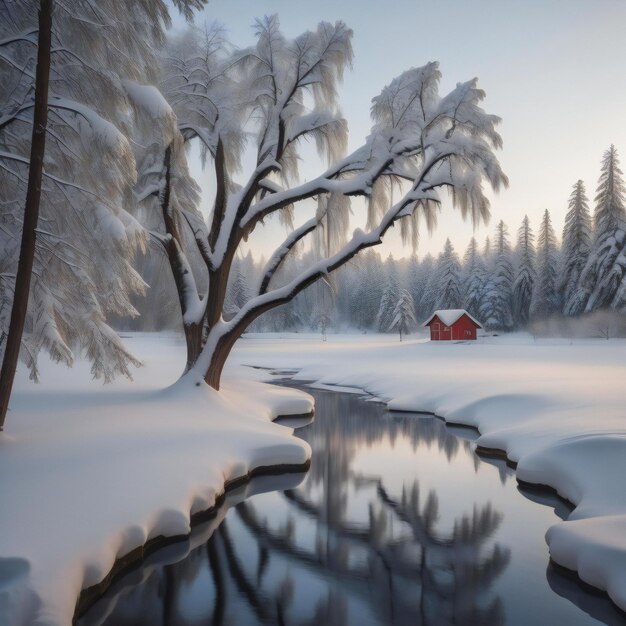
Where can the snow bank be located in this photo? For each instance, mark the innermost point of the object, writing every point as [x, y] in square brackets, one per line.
[89, 473]
[557, 408]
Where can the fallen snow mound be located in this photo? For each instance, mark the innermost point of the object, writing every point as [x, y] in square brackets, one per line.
[89, 473]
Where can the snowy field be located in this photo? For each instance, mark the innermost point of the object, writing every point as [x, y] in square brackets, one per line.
[90, 472]
[557, 407]
[87, 473]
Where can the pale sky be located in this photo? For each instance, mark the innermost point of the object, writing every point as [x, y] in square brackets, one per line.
[554, 70]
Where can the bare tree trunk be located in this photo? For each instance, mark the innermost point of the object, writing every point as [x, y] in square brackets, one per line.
[218, 360]
[176, 258]
[193, 340]
[31, 210]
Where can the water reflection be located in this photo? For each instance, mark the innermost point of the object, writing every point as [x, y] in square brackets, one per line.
[397, 522]
[380, 556]
[148, 595]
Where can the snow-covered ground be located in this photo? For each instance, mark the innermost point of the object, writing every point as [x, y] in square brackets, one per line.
[557, 407]
[90, 472]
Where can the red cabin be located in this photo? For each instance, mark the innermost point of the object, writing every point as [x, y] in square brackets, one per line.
[452, 325]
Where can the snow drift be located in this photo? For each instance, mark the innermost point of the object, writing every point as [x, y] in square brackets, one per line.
[88, 474]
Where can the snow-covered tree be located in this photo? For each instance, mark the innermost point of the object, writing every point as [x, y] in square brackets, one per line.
[487, 250]
[497, 305]
[610, 213]
[368, 292]
[322, 319]
[602, 278]
[575, 248]
[158, 308]
[291, 315]
[425, 305]
[279, 93]
[323, 304]
[67, 172]
[413, 280]
[15, 294]
[448, 279]
[403, 319]
[390, 296]
[238, 292]
[525, 275]
[387, 305]
[546, 299]
[474, 278]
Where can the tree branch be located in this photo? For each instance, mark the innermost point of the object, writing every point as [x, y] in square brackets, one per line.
[191, 304]
[359, 241]
[281, 253]
[203, 247]
[219, 206]
[357, 185]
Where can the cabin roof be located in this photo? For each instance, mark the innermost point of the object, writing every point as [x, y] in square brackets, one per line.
[450, 316]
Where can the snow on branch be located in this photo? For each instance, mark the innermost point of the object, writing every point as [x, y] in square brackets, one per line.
[282, 91]
[329, 132]
[420, 192]
[279, 256]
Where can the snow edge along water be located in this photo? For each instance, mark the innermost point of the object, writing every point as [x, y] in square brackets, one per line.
[139, 465]
[289, 406]
[570, 569]
[552, 411]
[133, 559]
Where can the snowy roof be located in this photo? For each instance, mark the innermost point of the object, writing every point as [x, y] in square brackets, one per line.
[449, 316]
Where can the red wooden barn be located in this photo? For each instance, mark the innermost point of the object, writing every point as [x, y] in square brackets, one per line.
[452, 324]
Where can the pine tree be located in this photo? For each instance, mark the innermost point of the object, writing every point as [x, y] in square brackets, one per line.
[426, 303]
[346, 281]
[238, 292]
[448, 281]
[403, 314]
[249, 269]
[525, 275]
[546, 300]
[389, 297]
[474, 277]
[576, 248]
[414, 281]
[487, 250]
[610, 214]
[322, 305]
[392, 275]
[366, 302]
[605, 268]
[385, 310]
[496, 310]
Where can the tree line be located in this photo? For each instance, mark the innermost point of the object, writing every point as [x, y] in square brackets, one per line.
[504, 284]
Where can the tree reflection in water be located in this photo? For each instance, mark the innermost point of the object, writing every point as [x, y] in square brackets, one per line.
[311, 556]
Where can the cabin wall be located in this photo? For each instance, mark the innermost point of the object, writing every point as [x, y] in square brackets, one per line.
[462, 330]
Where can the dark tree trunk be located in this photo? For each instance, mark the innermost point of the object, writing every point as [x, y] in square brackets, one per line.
[176, 258]
[218, 360]
[31, 210]
[193, 339]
